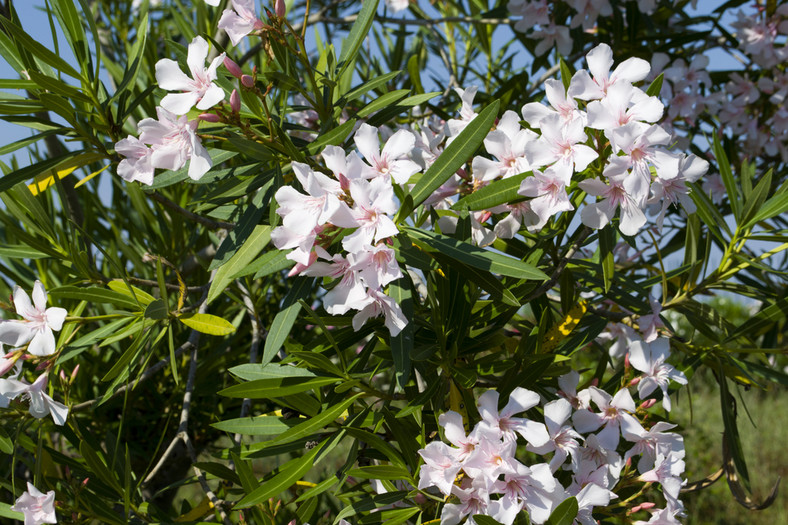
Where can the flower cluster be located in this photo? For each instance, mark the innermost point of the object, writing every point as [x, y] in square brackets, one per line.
[480, 471]
[36, 332]
[172, 140]
[358, 195]
[602, 118]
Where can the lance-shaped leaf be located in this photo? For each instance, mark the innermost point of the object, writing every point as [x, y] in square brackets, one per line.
[455, 154]
[208, 324]
[475, 256]
[496, 193]
[276, 387]
[286, 318]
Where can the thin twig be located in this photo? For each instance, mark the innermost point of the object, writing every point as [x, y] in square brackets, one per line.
[183, 425]
[422, 22]
[208, 223]
[257, 335]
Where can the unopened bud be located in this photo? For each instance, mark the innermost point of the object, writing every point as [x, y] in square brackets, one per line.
[280, 8]
[643, 506]
[42, 365]
[209, 117]
[247, 81]
[74, 373]
[85, 482]
[63, 376]
[648, 403]
[235, 101]
[232, 67]
[635, 381]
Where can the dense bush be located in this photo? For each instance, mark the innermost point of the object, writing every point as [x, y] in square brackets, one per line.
[385, 262]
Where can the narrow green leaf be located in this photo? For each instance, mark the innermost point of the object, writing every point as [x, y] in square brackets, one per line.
[256, 426]
[368, 503]
[120, 286]
[6, 512]
[607, 243]
[291, 472]
[475, 256]
[455, 154]
[253, 371]
[655, 87]
[383, 101]
[380, 472]
[496, 193]
[276, 387]
[245, 254]
[727, 177]
[40, 51]
[208, 324]
[777, 205]
[157, 310]
[483, 519]
[359, 31]
[728, 406]
[94, 294]
[97, 467]
[402, 343]
[335, 137]
[313, 424]
[286, 318]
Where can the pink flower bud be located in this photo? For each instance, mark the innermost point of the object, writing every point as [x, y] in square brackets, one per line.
[42, 365]
[62, 375]
[74, 373]
[247, 81]
[280, 8]
[7, 365]
[235, 101]
[209, 117]
[648, 403]
[232, 67]
[635, 381]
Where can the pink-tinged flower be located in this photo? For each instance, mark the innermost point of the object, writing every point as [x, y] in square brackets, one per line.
[174, 141]
[621, 335]
[667, 516]
[534, 112]
[440, 467]
[612, 410]
[567, 384]
[373, 203]
[392, 161]
[614, 195]
[600, 60]
[345, 167]
[591, 496]
[467, 114]
[376, 265]
[39, 323]
[240, 20]
[473, 500]
[454, 431]
[675, 190]
[345, 295]
[507, 426]
[563, 438]
[550, 35]
[548, 190]
[490, 458]
[622, 105]
[650, 359]
[37, 507]
[198, 90]
[533, 487]
[138, 164]
[667, 471]
[507, 142]
[560, 146]
[378, 303]
[650, 442]
[649, 323]
[640, 150]
[41, 405]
